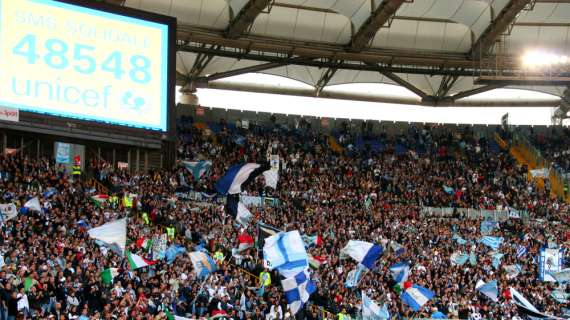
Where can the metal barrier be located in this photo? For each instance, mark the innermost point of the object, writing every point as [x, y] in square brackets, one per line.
[468, 213]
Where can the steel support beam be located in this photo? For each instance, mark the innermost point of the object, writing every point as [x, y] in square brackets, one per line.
[468, 93]
[498, 26]
[324, 80]
[446, 84]
[245, 17]
[405, 84]
[115, 2]
[386, 10]
[236, 72]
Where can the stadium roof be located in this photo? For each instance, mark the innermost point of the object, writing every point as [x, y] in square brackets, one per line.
[441, 50]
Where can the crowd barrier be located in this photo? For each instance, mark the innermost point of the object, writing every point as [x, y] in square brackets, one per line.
[468, 213]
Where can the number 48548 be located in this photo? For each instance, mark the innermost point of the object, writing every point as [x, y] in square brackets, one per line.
[59, 56]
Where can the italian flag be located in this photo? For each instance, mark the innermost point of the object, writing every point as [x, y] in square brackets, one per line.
[217, 314]
[136, 261]
[99, 199]
[144, 244]
[316, 261]
[108, 275]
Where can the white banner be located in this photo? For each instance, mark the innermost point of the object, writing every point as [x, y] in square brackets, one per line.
[550, 263]
[9, 114]
[8, 211]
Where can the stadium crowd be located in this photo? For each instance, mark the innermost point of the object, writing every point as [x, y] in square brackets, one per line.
[51, 268]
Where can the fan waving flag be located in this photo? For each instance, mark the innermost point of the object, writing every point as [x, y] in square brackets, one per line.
[197, 168]
[364, 252]
[99, 199]
[521, 251]
[113, 234]
[416, 296]
[238, 175]
[203, 264]
[492, 242]
[245, 241]
[526, 308]
[286, 252]
[400, 272]
[136, 261]
[297, 290]
[371, 311]
[271, 178]
[489, 289]
[33, 204]
[243, 215]
[108, 275]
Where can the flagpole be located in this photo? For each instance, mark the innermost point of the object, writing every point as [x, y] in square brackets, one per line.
[199, 292]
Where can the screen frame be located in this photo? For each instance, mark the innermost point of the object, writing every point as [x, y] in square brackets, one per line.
[171, 24]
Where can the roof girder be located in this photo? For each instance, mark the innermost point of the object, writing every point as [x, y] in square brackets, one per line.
[245, 17]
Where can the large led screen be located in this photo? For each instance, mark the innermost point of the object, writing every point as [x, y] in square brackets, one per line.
[68, 60]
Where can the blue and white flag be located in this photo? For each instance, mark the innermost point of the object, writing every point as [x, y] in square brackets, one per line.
[297, 290]
[243, 215]
[353, 276]
[237, 175]
[49, 192]
[371, 311]
[203, 264]
[526, 308]
[489, 289]
[198, 168]
[472, 258]
[521, 251]
[492, 242]
[400, 272]
[562, 276]
[459, 239]
[458, 258]
[487, 227]
[497, 256]
[512, 270]
[560, 296]
[416, 296]
[286, 252]
[397, 248]
[364, 252]
[174, 251]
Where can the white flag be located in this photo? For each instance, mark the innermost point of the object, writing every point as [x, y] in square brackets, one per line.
[243, 215]
[271, 178]
[8, 210]
[33, 204]
[113, 234]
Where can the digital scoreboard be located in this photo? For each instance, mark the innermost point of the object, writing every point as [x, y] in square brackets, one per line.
[66, 59]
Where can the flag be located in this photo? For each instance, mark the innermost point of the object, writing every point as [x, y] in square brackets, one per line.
[203, 263]
[144, 244]
[365, 253]
[245, 241]
[562, 276]
[492, 242]
[271, 178]
[521, 251]
[416, 296]
[136, 261]
[447, 189]
[526, 308]
[113, 234]
[459, 239]
[244, 217]
[472, 258]
[49, 192]
[400, 272]
[99, 199]
[197, 168]
[458, 258]
[83, 224]
[397, 248]
[316, 262]
[489, 289]
[218, 314]
[512, 270]
[312, 241]
[371, 311]
[8, 211]
[353, 276]
[560, 296]
[297, 290]
[238, 175]
[28, 284]
[174, 251]
[497, 256]
[487, 227]
[33, 204]
[108, 275]
[286, 252]
[264, 232]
